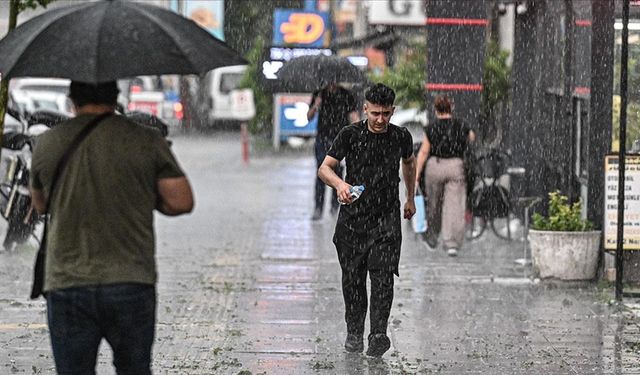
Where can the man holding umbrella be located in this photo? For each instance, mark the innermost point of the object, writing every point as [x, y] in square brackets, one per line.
[337, 108]
[100, 176]
[100, 269]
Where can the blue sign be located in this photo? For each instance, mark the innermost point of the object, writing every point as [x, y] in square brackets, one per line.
[291, 116]
[300, 28]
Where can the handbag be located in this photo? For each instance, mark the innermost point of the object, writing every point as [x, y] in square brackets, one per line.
[38, 268]
[419, 220]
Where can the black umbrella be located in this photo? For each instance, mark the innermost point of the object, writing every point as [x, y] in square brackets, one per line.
[308, 73]
[104, 41]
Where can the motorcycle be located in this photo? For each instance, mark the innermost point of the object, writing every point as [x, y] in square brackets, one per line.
[15, 197]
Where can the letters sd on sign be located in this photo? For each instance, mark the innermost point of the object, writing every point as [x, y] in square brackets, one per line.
[296, 28]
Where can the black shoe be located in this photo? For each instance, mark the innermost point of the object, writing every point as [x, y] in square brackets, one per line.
[317, 215]
[432, 241]
[379, 343]
[354, 343]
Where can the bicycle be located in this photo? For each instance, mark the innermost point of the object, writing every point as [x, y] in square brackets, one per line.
[490, 197]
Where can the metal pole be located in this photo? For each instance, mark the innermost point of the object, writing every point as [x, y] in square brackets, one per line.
[622, 148]
[244, 138]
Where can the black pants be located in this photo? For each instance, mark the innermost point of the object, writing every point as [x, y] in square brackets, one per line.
[321, 147]
[356, 260]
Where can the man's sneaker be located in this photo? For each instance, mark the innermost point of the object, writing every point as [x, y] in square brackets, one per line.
[317, 215]
[354, 343]
[379, 343]
[452, 252]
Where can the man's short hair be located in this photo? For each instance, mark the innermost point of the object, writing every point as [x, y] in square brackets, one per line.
[82, 93]
[380, 94]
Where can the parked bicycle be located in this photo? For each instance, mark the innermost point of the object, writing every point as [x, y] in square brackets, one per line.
[491, 199]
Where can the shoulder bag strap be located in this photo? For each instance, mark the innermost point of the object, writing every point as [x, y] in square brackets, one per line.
[67, 155]
[38, 269]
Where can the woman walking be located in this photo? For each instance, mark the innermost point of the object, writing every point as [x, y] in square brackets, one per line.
[443, 147]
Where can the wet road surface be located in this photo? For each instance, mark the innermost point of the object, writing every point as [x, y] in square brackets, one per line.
[249, 285]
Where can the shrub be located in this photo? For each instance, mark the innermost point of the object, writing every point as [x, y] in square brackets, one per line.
[562, 216]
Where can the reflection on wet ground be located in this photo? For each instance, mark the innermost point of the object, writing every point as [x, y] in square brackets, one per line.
[249, 283]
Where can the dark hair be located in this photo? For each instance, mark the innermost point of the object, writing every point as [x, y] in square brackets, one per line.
[442, 103]
[380, 94]
[82, 93]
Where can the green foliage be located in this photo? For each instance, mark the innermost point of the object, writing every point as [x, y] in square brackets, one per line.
[407, 77]
[633, 123]
[31, 4]
[262, 97]
[563, 216]
[495, 78]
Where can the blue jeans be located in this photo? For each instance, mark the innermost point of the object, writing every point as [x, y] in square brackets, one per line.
[123, 314]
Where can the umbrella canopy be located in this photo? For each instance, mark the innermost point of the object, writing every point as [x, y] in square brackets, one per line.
[308, 73]
[104, 41]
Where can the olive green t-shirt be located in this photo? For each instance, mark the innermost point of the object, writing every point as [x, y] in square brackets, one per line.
[101, 214]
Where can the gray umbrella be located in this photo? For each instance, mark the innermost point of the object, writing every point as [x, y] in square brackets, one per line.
[308, 73]
[104, 41]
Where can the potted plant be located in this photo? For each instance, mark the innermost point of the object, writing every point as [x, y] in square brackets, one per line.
[563, 245]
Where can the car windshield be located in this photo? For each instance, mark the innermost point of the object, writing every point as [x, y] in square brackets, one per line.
[230, 81]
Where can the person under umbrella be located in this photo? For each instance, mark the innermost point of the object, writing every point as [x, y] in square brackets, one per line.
[337, 108]
[100, 266]
[100, 176]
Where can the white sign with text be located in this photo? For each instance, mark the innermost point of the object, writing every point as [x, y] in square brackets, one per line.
[631, 240]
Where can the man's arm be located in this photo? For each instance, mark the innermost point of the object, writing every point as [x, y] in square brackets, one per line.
[327, 174]
[37, 200]
[409, 174]
[316, 101]
[176, 196]
[423, 154]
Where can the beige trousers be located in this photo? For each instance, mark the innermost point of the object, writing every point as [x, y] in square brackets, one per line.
[446, 194]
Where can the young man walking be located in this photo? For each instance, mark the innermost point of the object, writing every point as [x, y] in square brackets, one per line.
[368, 233]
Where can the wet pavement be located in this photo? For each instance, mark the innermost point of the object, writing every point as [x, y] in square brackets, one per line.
[249, 285]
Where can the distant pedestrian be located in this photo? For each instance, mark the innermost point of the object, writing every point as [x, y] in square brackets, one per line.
[337, 108]
[100, 270]
[368, 232]
[443, 147]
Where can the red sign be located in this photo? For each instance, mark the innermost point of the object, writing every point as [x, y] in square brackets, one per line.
[147, 107]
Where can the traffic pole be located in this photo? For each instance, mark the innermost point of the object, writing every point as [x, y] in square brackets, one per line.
[244, 138]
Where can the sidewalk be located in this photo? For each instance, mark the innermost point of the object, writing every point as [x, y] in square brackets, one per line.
[249, 285]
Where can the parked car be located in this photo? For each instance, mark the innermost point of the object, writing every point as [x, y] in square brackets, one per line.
[58, 85]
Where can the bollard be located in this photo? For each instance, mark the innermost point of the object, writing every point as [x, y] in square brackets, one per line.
[244, 137]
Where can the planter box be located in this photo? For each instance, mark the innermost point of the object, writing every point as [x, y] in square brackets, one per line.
[565, 255]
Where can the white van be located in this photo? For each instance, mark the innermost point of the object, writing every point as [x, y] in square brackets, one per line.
[217, 91]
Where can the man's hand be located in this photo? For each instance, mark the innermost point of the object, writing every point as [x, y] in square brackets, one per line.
[317, 102]
[344, 194]
[409, 209]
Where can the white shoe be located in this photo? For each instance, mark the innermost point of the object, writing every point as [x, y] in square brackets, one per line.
[452, 252]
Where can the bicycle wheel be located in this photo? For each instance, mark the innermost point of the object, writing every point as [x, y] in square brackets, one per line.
[503, 233]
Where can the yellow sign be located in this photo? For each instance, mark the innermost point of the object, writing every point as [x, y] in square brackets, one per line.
[302, 28]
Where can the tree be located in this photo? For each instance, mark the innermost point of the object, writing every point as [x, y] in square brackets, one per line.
[15, 7]
[408, 76]
[261, 96]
